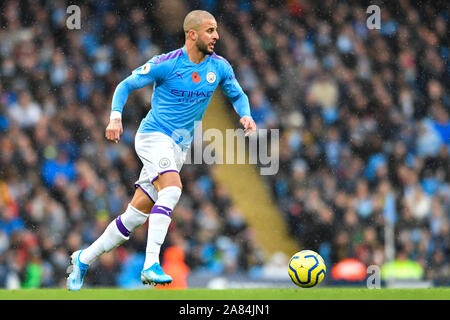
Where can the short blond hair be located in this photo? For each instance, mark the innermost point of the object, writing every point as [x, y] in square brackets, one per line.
[194, 19]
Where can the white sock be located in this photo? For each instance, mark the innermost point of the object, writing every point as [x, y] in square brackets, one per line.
[157, 230]
[116, 233]
[158, 223]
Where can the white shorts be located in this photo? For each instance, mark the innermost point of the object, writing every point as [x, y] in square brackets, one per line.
[159, 154]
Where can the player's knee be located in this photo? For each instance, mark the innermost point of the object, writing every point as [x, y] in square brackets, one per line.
[168, 179]
[133, 218]
[170, 196]
[141, 201]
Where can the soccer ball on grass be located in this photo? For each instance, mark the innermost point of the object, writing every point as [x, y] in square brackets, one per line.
[307, 268]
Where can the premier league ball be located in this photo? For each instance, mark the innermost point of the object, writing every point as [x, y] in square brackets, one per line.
[307, 268]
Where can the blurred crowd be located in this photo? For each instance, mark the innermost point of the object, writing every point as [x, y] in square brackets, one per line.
[363, 118]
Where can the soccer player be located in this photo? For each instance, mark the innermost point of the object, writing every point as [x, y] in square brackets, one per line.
[184, 81]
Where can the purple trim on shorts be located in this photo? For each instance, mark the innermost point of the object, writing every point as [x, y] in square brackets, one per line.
[123, 230]
[137, 185]
[161, 210]
[169, 56]
[162, 173]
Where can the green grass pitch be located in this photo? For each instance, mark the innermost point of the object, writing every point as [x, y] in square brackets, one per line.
[229, 294]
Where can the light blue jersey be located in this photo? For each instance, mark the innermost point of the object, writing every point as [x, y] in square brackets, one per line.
[182, 92]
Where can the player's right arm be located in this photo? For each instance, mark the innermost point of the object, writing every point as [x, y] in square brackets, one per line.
[150, 72]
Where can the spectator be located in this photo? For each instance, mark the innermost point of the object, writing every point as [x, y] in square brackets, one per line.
[402, 268]
[25, 112]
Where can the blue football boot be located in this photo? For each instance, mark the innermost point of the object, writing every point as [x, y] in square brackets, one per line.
[75, 279]
[155, 275]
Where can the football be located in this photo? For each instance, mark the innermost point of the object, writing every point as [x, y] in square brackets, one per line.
[307, 268]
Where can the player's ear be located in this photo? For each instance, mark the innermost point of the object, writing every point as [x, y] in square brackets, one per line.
[192, 34]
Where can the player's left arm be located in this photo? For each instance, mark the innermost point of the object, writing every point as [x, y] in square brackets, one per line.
[238, 99]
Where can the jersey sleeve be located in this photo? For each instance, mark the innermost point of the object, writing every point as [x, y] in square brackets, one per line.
[151, 71]
[232, 89]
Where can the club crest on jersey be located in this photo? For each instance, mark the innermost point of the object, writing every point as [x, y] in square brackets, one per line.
[145, 68]
[195, 77]
[164, 163]
[211, 77]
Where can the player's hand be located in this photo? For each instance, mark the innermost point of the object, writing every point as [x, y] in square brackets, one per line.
[114, 130]
[249, 125]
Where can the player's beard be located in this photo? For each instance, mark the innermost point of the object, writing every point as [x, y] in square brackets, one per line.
[203, 47]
